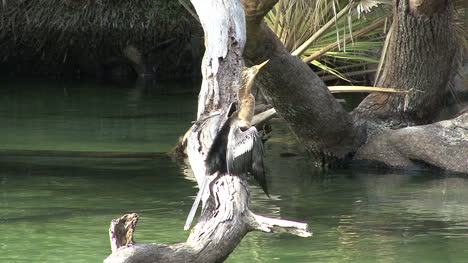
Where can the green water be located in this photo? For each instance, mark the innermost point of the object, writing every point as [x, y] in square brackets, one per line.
[57, 209]
[45, 115]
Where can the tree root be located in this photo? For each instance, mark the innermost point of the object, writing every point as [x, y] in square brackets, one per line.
[442, 145]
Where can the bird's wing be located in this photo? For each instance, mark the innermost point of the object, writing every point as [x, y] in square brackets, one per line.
[245, 154]
[258, 170]
[239, 150]
[215, 158]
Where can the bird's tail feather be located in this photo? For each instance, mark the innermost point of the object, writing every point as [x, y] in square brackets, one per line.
[194, 209]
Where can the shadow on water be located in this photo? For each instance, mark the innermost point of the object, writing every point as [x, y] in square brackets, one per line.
[58, 209]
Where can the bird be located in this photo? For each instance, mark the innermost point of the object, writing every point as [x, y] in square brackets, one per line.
[237, 148]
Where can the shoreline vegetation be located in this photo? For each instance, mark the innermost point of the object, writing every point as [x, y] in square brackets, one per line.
[153, 39]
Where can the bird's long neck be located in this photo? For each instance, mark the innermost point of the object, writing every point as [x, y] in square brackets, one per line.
[246, 99]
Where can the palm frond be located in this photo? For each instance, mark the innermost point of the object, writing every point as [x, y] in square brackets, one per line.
[329, 30]
[329, 70]
[365, 6]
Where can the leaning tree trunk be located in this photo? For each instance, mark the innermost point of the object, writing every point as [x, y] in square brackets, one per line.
[226, 217]
[422, 59]
[297, 93]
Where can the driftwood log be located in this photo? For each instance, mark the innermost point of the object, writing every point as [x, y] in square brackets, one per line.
[226, 217]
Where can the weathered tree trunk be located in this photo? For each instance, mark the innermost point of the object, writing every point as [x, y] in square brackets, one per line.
[226, 217]
[423, 56]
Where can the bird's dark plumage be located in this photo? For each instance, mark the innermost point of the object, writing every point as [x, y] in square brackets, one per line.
[238, 150]
[245, 154]
[215, 160]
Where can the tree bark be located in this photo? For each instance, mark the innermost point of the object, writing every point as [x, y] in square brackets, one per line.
[423, 56]
[226, 217]
[439, 145]
[298, 94]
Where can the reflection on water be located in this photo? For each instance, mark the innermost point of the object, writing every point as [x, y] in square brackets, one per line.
[92, 117]
[58, 209]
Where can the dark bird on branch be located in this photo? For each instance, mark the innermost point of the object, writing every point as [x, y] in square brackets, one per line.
[237, 148]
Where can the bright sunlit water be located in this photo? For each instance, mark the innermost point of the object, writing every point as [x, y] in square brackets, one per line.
[58, 209]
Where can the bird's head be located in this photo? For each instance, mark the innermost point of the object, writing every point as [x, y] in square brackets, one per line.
[257, 68]
[248, 74]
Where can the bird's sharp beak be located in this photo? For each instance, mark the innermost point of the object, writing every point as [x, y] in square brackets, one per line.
[262, 65]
